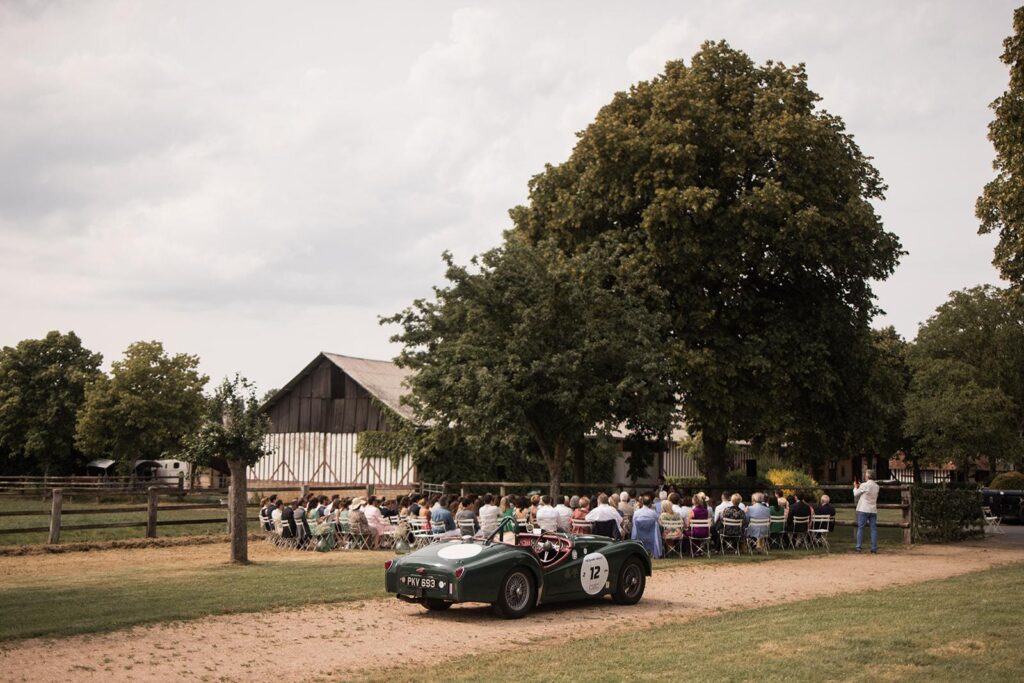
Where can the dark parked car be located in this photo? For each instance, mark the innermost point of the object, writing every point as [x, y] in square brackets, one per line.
[1004, 504]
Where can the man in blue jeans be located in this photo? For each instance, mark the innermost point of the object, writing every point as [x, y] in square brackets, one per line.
[866, 497]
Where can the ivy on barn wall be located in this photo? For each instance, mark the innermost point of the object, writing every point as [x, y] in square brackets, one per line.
[393, 445]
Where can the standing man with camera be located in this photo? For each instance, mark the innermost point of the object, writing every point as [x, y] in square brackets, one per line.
[866, 497]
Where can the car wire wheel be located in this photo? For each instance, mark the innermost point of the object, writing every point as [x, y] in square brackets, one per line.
[517, 591]
[632, 580]
[631, 583]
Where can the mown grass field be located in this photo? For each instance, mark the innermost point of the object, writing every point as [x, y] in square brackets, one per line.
[136, 591]
[964, 628]
[80, 502]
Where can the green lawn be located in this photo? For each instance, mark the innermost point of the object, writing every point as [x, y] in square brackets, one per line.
[117, 599]
[87, 502]
[965, 628]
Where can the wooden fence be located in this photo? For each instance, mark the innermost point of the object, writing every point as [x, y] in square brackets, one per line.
[27, 485]
[152, 510]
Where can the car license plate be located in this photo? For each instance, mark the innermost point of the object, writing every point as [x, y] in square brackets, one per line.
[421, 582]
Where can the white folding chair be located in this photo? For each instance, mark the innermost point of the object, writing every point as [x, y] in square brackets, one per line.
[731, 536]
[818, 533]
[991, 521]
[800, 536]
[758, 535]
[777, 540]
[672, 537]
[467, 527]
[700, 545]
[420, 533]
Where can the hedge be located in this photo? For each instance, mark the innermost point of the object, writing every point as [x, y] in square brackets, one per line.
[941, 515]
[1008, 481]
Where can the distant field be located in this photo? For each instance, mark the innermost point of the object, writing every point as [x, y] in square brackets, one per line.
[78, 502]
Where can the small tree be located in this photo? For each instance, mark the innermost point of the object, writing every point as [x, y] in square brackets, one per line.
[234, 430]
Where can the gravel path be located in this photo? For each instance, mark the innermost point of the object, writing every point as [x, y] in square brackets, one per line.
[358, 640]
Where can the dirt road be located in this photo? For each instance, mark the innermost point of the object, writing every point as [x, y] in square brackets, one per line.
[359, 639]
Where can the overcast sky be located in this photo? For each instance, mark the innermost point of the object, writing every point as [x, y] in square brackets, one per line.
[255, 182]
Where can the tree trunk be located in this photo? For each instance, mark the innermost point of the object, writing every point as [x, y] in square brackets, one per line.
[579, 465]
[237, 495]
[716, 465]
[555, 464]
[917, 470]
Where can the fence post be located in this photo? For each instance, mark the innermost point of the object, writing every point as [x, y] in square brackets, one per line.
[907, 515]
[501, 490]
[151, 505]
[58, 500]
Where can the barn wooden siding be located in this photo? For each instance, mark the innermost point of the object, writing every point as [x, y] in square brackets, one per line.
[327, 400]
[679, 464]
[318, 458]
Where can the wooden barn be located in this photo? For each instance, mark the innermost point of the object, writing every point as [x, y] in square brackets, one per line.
[317, 416]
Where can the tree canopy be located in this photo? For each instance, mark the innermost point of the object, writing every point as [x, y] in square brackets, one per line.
[42, 386]
[967, 393]
[1001, 205]
[533, 349]
[145, 408]
[751, 208]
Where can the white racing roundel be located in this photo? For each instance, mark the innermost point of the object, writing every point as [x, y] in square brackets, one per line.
[594, 573]
[459, 551]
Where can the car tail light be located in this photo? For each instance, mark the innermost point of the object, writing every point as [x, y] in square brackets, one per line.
[387, 564]
[459, 572]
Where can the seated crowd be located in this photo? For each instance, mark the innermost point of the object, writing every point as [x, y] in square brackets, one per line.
[662, 520]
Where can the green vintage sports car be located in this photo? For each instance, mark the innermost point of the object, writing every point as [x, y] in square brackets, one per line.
[516, 571]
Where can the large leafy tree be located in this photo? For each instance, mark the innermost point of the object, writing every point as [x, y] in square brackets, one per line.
[1001, 206]
[42, 386]
[533, 349]
[752, 208]
[233, 430]
[145, 408]
[967, 393]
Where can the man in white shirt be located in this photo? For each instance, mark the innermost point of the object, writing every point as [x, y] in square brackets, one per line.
[866, 497]
[564, 514]
[726, 502]
[488, 514]
[604, 512]
[547, 516]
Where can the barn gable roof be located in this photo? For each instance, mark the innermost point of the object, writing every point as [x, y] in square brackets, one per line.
[382, 378]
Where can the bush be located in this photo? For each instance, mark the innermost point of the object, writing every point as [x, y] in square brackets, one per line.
[942, 515]
[1008, 481]
[692, 484]
[791, 481]
[738, 480]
